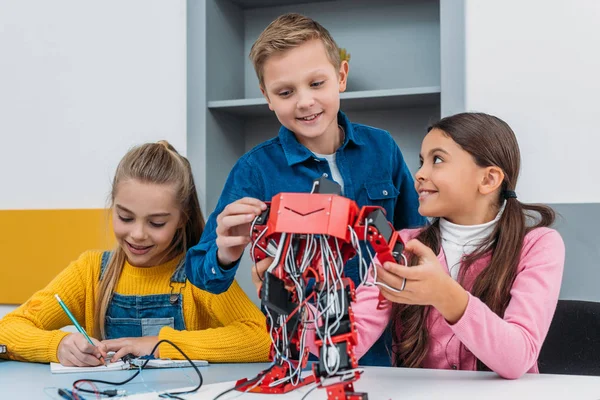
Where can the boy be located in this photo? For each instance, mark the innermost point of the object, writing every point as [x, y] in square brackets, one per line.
[301, 76]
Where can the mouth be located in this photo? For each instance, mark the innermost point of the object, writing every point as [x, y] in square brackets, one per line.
[424, 194]
[138, 250]
[310, 118]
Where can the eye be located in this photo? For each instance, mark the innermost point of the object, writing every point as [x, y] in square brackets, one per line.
[284, 93]
[158, 224]
[420, 162]
[125, 219]
[437, 159]
[317, 84]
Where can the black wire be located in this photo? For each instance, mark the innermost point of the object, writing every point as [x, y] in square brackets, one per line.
[111, 393]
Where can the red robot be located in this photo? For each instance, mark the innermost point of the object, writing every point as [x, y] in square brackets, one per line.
[310, 237]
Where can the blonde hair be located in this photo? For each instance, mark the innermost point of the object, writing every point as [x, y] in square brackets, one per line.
[286, 32]
[157, 163]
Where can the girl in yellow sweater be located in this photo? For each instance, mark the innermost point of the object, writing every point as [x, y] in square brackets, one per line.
[138, 294]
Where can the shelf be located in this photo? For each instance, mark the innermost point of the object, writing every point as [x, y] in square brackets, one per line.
[249, 4]
[350, 101]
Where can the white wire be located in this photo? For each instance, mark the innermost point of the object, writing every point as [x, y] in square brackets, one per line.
[330, 306]
[372, 262]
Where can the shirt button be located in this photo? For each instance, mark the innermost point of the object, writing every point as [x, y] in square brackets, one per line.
[325, 175]
[317, 160]
[213, 270]
[385, 192]
[454, 366]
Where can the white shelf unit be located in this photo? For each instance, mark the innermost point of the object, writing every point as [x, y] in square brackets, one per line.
[394, 81]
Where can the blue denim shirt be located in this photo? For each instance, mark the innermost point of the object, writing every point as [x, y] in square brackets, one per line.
[369, 161]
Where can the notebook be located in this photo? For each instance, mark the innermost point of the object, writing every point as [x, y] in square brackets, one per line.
[57, 368]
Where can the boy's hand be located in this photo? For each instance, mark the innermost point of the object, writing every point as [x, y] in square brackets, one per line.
[75, 351]
[233, 228]
[139, 347]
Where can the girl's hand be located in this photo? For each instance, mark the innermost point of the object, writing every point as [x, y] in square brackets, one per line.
[75, 351]
[427, 283]
[258, 272]
[139, 347]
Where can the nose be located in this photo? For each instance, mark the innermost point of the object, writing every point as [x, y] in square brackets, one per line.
[422, 174]
[138, 232]
[305, 99]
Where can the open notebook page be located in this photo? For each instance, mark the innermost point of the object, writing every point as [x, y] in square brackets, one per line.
[57, 368]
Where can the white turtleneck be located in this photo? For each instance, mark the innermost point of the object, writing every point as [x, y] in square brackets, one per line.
[459, 240]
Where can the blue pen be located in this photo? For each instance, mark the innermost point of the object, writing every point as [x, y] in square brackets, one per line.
[74, 321]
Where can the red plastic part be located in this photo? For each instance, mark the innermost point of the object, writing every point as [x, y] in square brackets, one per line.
[319, 214]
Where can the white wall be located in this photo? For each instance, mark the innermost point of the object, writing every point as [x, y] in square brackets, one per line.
[80, 83]
[536, 64]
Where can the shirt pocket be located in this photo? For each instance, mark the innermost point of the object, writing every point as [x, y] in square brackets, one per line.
[383, 194]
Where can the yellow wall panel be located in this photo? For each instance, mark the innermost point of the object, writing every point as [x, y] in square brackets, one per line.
[35, 245]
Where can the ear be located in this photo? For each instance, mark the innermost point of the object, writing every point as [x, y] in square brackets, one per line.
[492, 180]
[343, 75]
[262, 90]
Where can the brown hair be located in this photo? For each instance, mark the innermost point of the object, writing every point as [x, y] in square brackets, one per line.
[157, 163]
[491, 142]
[286, 32]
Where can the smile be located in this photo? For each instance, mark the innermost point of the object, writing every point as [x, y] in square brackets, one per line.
[423, 194]
[138, 250]
[311, 117]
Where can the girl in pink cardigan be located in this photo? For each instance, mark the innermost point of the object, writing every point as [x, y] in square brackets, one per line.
[485, 275]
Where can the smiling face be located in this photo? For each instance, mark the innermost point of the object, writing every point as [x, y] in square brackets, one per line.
[449, 181]
[145, 219]
[302, 87]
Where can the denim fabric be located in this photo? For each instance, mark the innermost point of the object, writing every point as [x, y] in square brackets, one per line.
[369, 161]
[137, 316]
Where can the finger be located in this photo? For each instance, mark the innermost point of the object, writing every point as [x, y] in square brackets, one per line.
[120, 354]
[263, 265]
[410, 273]
[395, 285]
[113, 344]
[82, 344]
[101, 350]
[86, 360]
[388, 277]
[224, 242]
[252, 201]
[231, 221]
[238, 208]
[395, 297]
[420, 250]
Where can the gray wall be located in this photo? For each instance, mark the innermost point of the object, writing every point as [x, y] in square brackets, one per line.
[576, 224]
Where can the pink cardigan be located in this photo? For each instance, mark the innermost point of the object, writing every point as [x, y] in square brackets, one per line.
[508, 346]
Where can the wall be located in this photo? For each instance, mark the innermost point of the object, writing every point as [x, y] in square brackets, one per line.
[534, 64]
[81, 83]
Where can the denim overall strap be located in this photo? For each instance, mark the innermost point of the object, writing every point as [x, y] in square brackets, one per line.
[178, 277]
[136, 316]
[104, 262]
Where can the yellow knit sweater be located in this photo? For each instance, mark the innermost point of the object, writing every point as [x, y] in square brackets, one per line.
[220, 328]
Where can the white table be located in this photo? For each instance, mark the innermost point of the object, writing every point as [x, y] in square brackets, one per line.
[28, 381]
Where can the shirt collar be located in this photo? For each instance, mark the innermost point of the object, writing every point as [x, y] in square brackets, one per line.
[296, 153]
